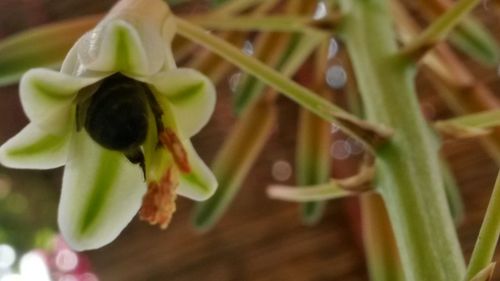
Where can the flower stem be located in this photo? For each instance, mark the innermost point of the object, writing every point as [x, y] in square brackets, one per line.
[363, 131]
[484, 249]
[408, 174]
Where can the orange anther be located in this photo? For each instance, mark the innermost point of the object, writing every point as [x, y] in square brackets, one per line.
[158, 204]
[169, 140]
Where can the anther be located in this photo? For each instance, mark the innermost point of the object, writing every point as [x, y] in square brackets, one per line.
[169, 140]
[158, 204]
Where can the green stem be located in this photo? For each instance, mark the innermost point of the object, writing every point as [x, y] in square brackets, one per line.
[258, 23]
[408, 166]
[484, 249]
[362, 131]
[440, 28]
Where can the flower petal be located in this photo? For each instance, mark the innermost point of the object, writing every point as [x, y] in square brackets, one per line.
[33, 148]
[200, 183]
[101, 193]
[134, 39]
[191, 96]
[47, 97]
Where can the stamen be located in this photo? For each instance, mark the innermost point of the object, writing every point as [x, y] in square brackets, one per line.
[158, 204]
[169, 139]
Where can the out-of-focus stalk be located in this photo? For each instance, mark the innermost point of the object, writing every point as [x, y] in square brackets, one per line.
[285, 23]
[380, 245]
[312, 159]
[470, 125]
[469, 36]
[212, 65]
[235, 7]
[235, 159]
[45, 46]
[313, 193]
[452, 190]
[439, 28]
[486, 243]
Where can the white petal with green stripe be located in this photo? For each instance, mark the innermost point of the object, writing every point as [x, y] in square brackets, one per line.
[101, 193]
[134, 38]
[114, 46]
[48, 96]
[200, 183]
[33, 148]
[191, 96]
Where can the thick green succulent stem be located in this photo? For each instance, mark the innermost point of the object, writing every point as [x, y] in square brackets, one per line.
[408, 173]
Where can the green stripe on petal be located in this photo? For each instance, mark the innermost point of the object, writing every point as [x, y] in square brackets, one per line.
[132, 44]
[148, 28]
[47, 97]
[107, 170]
[200, 183]
[191, 96]
[187, 94]
[33, 148]
[113, 46]
[101, 193]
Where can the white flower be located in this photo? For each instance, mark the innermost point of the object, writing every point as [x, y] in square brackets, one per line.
[75, 113]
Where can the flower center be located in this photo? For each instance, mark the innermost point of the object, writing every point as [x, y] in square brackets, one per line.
[117, 115]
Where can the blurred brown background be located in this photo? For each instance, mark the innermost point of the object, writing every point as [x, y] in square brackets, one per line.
[258, 239]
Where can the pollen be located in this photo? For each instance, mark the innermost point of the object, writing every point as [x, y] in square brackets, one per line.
[158, 204]
[170, 141]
